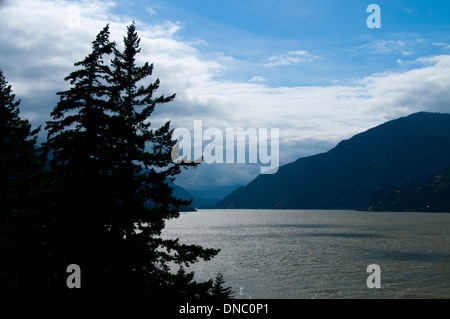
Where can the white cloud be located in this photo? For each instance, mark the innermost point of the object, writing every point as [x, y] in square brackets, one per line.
[446, 46]
[42, 39]
[258, 78]
[150, 11]
[163, 30]
[300, 52]
[423, 88]
[405, 47]
[328, 113]
[291, 58]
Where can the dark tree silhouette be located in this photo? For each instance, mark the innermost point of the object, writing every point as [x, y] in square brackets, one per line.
[78, 146]
[218, 291]
[142, 170]
[109, 182]
[19, 167]
[104, 197]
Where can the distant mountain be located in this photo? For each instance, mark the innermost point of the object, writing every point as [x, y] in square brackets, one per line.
[433, 196]
[404, 153]
[216, 193]
[197, 202]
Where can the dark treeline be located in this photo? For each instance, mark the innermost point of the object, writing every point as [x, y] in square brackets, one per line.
[96, 193]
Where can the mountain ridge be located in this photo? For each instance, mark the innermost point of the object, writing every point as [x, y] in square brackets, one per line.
[404, 152]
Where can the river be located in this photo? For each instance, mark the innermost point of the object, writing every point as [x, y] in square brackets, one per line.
[296, 254]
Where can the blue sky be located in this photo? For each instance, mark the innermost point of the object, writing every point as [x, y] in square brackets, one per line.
[334, 32]
[313, 69]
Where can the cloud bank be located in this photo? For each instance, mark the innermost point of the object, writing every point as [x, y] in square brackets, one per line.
[42, 39]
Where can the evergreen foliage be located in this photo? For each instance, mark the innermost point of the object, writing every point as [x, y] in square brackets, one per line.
[19, 169]
[218, 291]
[104, 200]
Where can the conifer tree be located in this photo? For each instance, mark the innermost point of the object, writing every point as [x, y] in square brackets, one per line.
[110, 175]
[78, 145]
[218, 291]
[143, 171]
[19, 167]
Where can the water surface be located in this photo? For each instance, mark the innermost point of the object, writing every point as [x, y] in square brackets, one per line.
[321, 254]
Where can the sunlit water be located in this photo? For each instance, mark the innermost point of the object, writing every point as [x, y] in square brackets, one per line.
[321, 254]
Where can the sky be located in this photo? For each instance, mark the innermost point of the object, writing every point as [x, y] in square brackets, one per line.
[312, 69]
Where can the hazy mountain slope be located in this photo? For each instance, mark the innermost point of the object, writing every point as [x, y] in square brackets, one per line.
[197, 202]
[405, 152]
[433, 196]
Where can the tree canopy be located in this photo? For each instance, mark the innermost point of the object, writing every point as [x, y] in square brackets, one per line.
[19, 167]
[105, 196]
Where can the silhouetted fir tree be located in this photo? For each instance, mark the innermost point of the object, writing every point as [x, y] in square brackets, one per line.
[19, 219]
[188, 288]
[143, 169]
[109, 183]
[78, 146]
[218, 291]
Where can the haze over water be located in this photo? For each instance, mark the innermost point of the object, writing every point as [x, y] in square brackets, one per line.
[321, 254]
